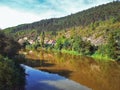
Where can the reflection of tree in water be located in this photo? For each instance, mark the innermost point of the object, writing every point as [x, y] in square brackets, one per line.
[84, 70]
[42, 57]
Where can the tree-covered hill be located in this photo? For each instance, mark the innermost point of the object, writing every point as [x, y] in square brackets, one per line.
[84, 18]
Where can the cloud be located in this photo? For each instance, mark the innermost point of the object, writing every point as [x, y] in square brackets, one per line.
[14, 12]
[10, 17]
[40, 6]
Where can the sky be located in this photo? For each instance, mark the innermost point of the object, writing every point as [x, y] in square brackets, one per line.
[15, 12]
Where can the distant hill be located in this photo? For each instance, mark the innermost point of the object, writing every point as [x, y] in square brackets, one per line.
[84, 18]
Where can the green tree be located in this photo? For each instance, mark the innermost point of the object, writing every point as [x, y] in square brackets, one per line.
[114, 45]
[8, 47]
[83, 47]
[77, 44]
[42, 38]
[112, 48]
[59, 43]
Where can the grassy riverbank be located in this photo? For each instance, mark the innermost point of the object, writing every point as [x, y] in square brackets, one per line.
[97, 57]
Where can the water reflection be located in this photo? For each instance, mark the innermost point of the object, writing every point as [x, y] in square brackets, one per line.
[84, 70]
[38, 80]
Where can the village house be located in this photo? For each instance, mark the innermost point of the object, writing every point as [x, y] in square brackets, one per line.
[25, 38]
[21, 41]
[31, 41]
[50, 42]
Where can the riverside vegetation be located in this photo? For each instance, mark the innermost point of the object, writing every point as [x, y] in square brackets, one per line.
[12, 75]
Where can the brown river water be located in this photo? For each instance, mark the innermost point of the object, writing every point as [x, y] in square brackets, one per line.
[94, 74]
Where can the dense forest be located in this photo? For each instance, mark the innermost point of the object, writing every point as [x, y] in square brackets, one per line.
[94, 32]
[12, 75]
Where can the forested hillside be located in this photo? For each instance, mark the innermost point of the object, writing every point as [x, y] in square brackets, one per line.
[84, 18]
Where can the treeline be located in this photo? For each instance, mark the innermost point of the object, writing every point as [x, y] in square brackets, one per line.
[76, 45]
[84, 18]
[12, 75]
[100, 40]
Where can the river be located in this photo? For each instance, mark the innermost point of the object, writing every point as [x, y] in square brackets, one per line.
[73, 72]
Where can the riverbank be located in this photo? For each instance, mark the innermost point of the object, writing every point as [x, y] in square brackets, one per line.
[96, 56]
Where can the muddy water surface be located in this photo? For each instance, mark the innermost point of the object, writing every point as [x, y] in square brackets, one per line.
[84, 70]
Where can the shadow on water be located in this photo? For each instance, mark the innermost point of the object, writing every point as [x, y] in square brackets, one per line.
[38, 63]
[44, 63]
[65, 73]
[39, 80]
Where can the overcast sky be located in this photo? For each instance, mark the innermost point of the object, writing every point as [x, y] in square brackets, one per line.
[14, 12]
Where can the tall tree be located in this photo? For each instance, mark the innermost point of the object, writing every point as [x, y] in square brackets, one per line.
[42, 38]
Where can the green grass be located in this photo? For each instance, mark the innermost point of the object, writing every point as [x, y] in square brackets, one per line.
[70, 52]
[101, 57]
[96, 56]
[65, 51]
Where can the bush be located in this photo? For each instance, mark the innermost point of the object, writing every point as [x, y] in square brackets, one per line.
[12, 76]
